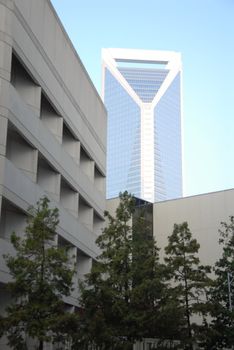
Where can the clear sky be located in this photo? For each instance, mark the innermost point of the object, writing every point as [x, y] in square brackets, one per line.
[203, 31]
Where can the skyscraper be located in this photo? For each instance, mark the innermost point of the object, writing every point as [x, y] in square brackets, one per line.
[142, 93]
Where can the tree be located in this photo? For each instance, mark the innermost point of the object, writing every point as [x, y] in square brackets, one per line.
[151, 300]
[123, 294]
[189, 278]
[106, 291]
[222, 330]
[41, 276]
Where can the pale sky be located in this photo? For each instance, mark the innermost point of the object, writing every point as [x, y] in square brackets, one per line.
[203, 31]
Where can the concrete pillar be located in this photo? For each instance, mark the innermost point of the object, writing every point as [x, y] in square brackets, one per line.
[0, 205]
[5, 39]
[51, 119]
[71, 145]
[22, 155]
[3, 134]
[12, 220]
[85, 214]
[49, 179]
[5, 72]
[2, 172]
[87, 165]
[98, 224]
[84, 264]
[5, 56]
[29, 91]
[69, 198]
[99, 180]
[5, 60]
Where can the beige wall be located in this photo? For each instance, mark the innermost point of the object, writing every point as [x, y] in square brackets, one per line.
[203, 214]
[111, 205]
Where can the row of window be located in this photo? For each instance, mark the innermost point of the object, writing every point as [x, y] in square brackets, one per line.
[28, 90]
[35, 166]
[40, 171]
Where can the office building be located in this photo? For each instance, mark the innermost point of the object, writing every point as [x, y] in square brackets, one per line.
[142, 94]
[52, 135]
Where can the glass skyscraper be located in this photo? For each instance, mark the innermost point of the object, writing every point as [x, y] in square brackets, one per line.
[142, 94]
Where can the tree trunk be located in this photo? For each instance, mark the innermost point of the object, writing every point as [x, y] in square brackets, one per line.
[40, 345]
[188, 316]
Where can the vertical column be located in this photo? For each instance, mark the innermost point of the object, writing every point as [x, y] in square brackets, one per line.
[21, 154]
[12, 220]
[87, 164]
[0, 205]
[70, 144]
[98, 224]
[69, 198]
[99, 180]
[5, 73]
[51, 119]
[3, 135]
[26, 87]
[85, 214]
[5, 40]
[2, 171]
[84, 264]
[147, 152]
[48, 179]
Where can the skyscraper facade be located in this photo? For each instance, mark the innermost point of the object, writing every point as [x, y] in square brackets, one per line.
[142, 93]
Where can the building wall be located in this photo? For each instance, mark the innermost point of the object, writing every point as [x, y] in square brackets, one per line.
[203, 213]
[52, 132]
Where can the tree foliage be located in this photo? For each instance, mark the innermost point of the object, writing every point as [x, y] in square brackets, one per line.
[124, 294]
[41, 276]
[128, 294]
[222, 328]
[190, 279]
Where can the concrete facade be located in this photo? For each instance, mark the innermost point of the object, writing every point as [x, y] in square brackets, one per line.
[52, 133]
[204, 214]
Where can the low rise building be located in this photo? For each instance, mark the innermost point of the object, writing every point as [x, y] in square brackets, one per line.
[204, 214]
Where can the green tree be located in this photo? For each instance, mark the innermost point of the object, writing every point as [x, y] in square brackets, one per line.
[190, 281]
[123, 294]
[222, 330]
[151, 301]
[41, 276]
[106, 291]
